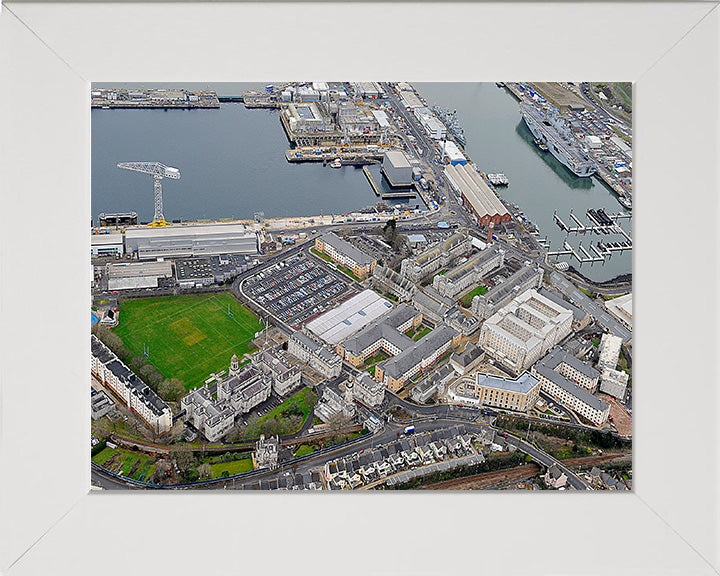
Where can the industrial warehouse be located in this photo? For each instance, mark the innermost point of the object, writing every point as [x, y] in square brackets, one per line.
[477, 195]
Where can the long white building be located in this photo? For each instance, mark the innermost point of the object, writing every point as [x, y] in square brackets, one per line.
[190, 240]
[550, 372]
[137, 395]
[520, 333]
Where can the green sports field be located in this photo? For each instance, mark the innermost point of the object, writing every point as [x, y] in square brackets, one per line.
[189, 336]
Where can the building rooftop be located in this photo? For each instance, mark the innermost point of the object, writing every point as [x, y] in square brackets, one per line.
[520, 385]
[347, 249]
[578, 314]
[337, 324]
[559, 356]
[423, 348]
[571, 388]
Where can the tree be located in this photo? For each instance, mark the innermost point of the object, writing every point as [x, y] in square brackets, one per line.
[390, 230]
[185, 461]
[151, 376]
[339, 424]
[137, 362]
[204, 471]
[171, 390]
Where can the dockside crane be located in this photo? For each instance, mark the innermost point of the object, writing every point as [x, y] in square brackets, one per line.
[158, 172]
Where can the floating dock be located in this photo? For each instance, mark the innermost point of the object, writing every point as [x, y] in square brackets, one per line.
[371, 180]
[347, 158]
[601, 223]
[145, 98]
[400, 194]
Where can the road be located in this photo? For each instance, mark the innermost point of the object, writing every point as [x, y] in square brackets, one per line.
[603, 317]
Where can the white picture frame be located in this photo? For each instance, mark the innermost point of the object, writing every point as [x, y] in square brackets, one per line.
[50, 523]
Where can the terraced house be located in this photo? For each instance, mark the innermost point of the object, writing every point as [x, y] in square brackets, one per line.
[137, 395]
[346, 254]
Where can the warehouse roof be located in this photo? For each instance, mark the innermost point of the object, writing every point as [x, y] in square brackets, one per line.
[340, 322]
[188, 230]
[466, 179]
[103, 239]
[347, 249]
[140, 270]
[397, 158]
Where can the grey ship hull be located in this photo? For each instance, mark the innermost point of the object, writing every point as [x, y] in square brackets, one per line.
[567, 153]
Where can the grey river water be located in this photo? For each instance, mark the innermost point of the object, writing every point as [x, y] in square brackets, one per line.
[232, 164]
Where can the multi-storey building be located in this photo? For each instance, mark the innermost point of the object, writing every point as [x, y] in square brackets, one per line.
[525, 329]
[346, 254]
[137, 395]
[485, 305]
[469, 273]
[386, 334]
[580, 318]
[395, 372]
[285, 376]
[436, 257]
[518, 394]
[318, 357]
[390, 281]
[368, 391]
[238, 393]
[609, 351]
[549, 371]
[614, 382]
[207, 416]
[266, 453]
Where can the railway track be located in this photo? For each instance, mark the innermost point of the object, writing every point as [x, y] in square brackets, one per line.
[487, 480]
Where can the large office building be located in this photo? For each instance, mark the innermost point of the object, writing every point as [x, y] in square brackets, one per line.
[190, 240]
[135, 275]
[520, 333]
[519, 394]
[385, 333]
[346, 254]
[469, 273]
[397, 371]
[551, 370]
[436, 257]
[337, 324]
[137, 395]
[320, 358]
[476, 194]
[485, 305]
[580, 318]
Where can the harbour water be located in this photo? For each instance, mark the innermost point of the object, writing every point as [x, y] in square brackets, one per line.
[232, 165]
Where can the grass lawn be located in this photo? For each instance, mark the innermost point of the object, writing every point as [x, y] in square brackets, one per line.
[467, 299]
[125, 461]
[305, 400]
[234, 467]
[376, 358]
[321, 255]
[189, 336]
[306, 449]
[611, 296]
[420, 333]
[348, 272]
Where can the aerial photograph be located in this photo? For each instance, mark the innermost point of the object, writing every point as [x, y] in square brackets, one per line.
[361, 286]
